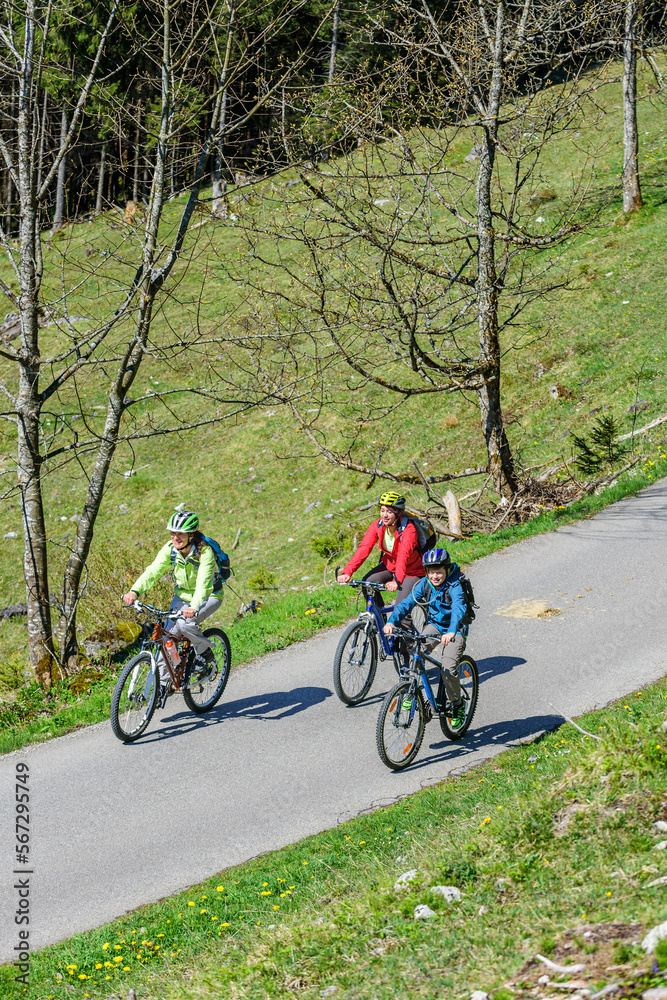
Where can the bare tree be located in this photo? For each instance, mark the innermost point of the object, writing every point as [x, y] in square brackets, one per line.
[416, 263]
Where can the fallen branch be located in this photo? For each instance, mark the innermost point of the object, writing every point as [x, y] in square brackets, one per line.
[642, 430]
[236, 540]
[567, 969]
[506, 514]
[573, 723]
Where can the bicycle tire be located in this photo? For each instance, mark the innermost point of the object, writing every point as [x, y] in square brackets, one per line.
[469, 678]
[352, 678]
[134, 698]
[399, 740]
[205, 693]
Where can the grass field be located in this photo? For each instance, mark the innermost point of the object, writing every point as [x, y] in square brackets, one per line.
[551, 845]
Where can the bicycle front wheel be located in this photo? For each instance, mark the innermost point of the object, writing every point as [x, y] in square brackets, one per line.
[205, 687]
[400, 726]
[469, 688]
[355, 662]
[134, 698]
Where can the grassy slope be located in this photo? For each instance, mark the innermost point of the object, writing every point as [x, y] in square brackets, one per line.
[546, 837]
[220, 470]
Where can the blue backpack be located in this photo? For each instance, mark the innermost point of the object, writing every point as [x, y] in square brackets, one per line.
[221, 559]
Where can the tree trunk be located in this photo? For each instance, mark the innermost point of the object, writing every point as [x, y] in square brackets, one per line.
[28, 401]
[501, 465]
[334, 42]
[59, 214]
[100, 180]
[632, 196]
[219, 201]
[137, 148]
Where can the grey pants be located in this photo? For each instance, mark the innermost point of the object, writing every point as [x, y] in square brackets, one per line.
[188, 628]
[450, 654]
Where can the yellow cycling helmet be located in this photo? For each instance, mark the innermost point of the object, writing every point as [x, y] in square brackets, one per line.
[392, 500]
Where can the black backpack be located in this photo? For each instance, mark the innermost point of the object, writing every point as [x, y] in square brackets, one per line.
[469, 596]
[426, 536]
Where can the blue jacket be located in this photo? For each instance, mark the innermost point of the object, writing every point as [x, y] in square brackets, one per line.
[446, 604]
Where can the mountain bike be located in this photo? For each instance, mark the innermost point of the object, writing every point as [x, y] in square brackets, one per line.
[356, 658]
[411, 704]
[137, 690]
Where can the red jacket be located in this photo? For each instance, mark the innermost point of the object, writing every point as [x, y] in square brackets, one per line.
[405, 560]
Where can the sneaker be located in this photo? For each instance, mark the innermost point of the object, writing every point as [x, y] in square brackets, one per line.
[458, 714]
[203, 661]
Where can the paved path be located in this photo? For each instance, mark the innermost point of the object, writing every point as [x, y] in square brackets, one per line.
[116, 826]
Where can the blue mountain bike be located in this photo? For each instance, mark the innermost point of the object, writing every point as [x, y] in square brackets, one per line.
[361, 644]
[411, 704]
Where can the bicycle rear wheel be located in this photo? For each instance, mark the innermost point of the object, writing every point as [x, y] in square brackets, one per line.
[355, 662]
[400, 726]
[470, 689]
[205, 687]
[134, 698]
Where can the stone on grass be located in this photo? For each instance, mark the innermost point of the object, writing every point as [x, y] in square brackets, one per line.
[660, 826]
[482, 910]
[479, 995]
[543, 980]
[423, 912]
[657, 993]
[449, 892]
[656, 934]
[661, 846]
[10, 534]
[406, 880]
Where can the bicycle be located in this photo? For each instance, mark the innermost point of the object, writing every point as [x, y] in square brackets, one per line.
[411, 704]
[137, 690]
[356, 657]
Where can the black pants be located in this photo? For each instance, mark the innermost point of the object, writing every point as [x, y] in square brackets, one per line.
[380, 574]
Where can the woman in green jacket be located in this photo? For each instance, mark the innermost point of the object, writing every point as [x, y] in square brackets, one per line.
[197, 593]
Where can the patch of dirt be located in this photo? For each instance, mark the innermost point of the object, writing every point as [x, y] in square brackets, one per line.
[596, 947]
[527, 608]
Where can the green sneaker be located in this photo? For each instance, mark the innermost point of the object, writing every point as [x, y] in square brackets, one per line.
[458, 716]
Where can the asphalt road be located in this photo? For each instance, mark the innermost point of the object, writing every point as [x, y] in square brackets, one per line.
[115, 826]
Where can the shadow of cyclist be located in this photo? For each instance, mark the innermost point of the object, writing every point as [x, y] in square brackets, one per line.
[264, 707]
[500, 734]
[491, 666]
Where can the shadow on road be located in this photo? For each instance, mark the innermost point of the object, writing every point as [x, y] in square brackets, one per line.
[268, 707]
[490, 666]
[486, 737]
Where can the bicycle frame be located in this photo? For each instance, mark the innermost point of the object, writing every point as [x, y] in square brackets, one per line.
[157, 636]
[379, 616]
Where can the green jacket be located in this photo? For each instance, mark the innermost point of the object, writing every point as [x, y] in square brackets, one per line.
[193, 577]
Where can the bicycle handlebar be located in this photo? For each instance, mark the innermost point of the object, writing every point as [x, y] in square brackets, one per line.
[150, 608]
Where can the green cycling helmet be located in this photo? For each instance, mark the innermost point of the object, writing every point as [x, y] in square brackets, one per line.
[183, 520]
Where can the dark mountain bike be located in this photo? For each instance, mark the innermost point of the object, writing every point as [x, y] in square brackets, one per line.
[137, 689]
[411, 704]
[362, 642]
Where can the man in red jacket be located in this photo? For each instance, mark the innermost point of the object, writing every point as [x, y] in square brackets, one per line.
[400, 565]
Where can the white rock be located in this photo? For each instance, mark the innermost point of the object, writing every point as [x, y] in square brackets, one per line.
[657, 993]
[123, 508]
[543, 980]
[482, 910]
[450, 892]
[540, 219]
[10, 534]
[405, 880]
[479, 995]
[423, 912]
[660, 826]
[656, 934]
[661, 846]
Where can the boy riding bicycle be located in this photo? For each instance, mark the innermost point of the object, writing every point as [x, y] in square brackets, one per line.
[197, 592]
[438, 607]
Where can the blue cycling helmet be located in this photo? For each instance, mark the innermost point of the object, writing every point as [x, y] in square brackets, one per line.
[436, 557]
